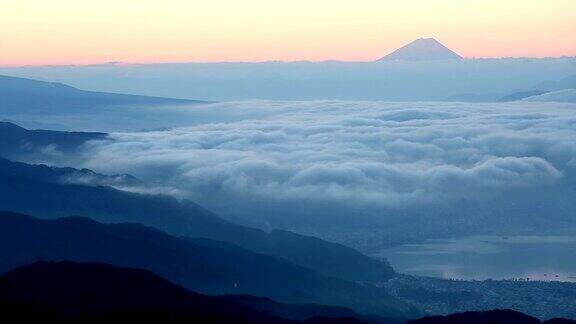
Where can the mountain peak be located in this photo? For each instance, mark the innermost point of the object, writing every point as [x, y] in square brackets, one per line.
[422, 49]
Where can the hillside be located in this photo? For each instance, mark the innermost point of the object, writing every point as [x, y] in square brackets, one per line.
[201, 265]
[16, 141]
[566, 95]
[41, 191]
[498, 316]
[493, 317]
[22, 96]
[72, 292]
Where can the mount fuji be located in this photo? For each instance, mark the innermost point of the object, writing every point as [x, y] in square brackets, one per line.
[422, 49]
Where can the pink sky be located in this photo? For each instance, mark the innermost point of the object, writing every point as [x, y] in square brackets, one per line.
[148, 31]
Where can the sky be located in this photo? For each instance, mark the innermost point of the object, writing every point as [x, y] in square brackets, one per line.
[37, 32]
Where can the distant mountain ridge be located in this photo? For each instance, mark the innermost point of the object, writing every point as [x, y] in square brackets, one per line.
[566, 95]
[388, 80]
[521, 95]
[422, 49]
[563, 90]
[22, 96]
[550, 91]
[568, 82]
[16, 141]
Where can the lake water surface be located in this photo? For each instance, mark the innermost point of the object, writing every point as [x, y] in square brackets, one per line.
[489, 257]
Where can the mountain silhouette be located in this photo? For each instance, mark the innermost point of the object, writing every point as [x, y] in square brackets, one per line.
[566, 95]
[96, 293]
[20, 95]
[568, 82]
[49, 192]
[422, 49]
[519, 95]
[202, 265]
[498, 316]
[18, 142]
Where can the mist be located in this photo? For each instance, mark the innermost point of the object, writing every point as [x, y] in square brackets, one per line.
[455, 80]
[362, 172]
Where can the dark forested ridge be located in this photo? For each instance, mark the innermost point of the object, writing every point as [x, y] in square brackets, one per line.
[69, 292]
[89, 293]
[39, 190]
[278, 264]
[199, 264]
[499, 316]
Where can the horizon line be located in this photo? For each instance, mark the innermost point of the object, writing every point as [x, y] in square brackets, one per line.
[120, 63]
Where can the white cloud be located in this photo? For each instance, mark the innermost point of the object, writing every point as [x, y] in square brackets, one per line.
[353, 155]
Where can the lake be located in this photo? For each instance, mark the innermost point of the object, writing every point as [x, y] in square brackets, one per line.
[489, 257]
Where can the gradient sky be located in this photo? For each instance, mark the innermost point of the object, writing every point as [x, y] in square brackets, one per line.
[148, 31]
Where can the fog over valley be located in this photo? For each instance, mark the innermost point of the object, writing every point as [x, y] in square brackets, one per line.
[364, 173]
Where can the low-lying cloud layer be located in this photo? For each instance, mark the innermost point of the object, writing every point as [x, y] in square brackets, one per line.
[351, 160]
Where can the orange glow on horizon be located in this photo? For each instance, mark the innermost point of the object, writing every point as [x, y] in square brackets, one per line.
[36, 32]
